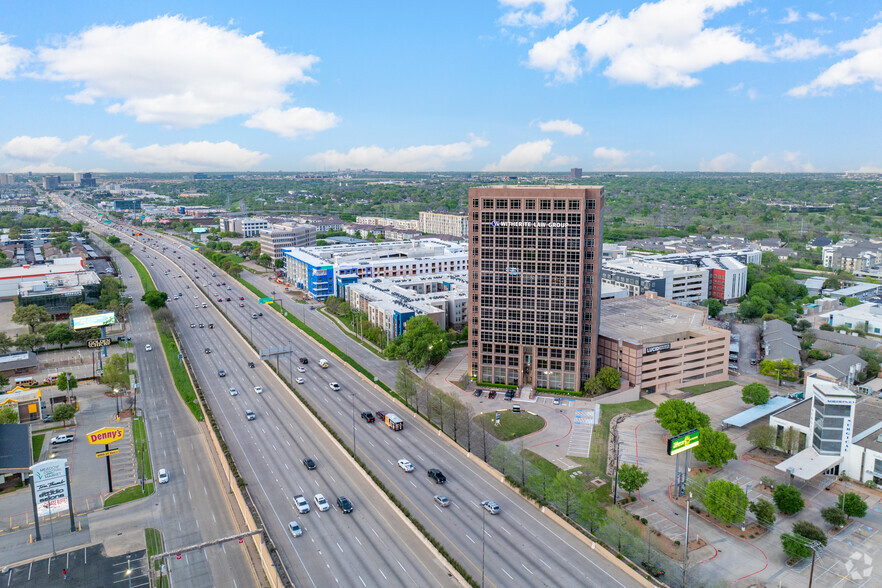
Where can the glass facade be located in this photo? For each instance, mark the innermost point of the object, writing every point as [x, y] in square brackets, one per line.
[828, 434]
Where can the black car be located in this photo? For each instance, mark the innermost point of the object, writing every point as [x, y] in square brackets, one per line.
[368, 416]
[491, 394]
[478, 393]
[344, 504]
[303, 360]
[221, 373]
[309, 463]
[436, 475]
[251, 364]
[509, 394]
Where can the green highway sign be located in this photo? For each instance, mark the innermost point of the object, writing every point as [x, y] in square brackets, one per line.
[265, 300]
[683, 441]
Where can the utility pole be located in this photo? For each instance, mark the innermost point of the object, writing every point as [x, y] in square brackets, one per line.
[616, 487]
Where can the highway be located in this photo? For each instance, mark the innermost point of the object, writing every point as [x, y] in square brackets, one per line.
[519, 547]
[372, 546]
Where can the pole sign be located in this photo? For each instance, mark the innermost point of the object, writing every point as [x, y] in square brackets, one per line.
[95, 343]
[106, 453]
[683, 441]
[50, 486]
[106, 436]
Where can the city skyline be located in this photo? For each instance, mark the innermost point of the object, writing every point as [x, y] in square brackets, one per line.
[513, 85]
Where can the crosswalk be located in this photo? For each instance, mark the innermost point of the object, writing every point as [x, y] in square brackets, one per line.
[580, 437]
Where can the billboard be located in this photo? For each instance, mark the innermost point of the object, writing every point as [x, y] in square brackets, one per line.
[105, 319]
[94, 343]
[683, 441]
[50, 486]
[106, 435]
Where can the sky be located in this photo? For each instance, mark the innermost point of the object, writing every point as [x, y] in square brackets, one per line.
[462, 85]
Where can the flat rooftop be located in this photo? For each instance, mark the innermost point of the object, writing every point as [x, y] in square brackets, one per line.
[638, 319]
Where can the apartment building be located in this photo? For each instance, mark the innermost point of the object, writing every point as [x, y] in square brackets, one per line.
[440, 223]
[395, 223]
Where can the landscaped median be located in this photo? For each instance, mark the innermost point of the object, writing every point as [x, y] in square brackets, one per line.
[154, 547]
[128, 494]
[179, 374]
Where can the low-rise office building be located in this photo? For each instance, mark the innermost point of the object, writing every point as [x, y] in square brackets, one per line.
[683, 283]
[866, 316]
[274, 240]
[245, 226]
[59, 294]
[128, 204]
[658, 345]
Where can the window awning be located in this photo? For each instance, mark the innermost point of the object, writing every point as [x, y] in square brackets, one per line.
[808, 463]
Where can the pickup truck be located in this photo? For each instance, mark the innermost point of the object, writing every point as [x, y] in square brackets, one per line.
[436, 475]
[392, 420]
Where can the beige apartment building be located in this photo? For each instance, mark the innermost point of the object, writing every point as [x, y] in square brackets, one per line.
[439, 223]
[273, 240]
[658, 345]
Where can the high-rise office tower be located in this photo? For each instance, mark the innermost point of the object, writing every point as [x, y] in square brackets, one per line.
[534, 284]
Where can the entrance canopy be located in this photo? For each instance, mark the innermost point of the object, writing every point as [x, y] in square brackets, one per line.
[744, 418]
[808, 463]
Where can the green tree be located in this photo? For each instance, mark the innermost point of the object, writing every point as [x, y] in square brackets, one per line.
[783, 369]
[592, 387]
[834, 516]
[82, 309]
[755, 393]
[726, 501]
[77, 227]
[810, 531]
[4, 380]
[802, 325]
[764, 511]
[15, 232]
[678, 416]
[60, 334]
[279, 263]
[831, 284]
[154, 299]
[788, 499]
[115, 373]
[422, 343]
[66, 381]
[632, 478]
[31, 315]
[566, 491]
[8, 415]
[6, 343]
[715, 448]
[609, 377]
[762, 436]
[789, 440]
[591, 511]
[62, 413]
[265, 260]
[795, 546]
[404, 384]
[852, 505]
[714, 307]
[850, 301]
[28, 341]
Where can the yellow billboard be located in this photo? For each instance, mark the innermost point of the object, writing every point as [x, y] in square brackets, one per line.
[106, 435]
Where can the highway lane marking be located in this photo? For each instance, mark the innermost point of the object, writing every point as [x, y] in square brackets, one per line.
[212, 517]
[414, 485]
[378, 569]
[286, 467]
[371, 443]
[543, 562]
[486, 532]
[340, 548]
[375, 533]
[528, 569]
[470, 539]
[506, 573]
[504, 529]
[357, 539]
[362, 582]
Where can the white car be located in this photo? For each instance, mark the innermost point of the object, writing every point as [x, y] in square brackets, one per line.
[258, 389]
[334, 386]
[234, 392]
[299, 380]
[321, 503]
[148, 347]
[162, 476]
[301, 369]
[295, 529]
[301, 504]
[405, 465]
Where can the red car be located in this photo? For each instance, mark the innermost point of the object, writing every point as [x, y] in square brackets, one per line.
[241, 298]
[228, 299]
[220, 299]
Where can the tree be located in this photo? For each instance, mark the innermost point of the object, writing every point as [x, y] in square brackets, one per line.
[834, 516]
[265, 260]
[62, 413]
[850, 301]
[714, 307]
[726, 501]
[789, 440]
[115, 373]
[4, 381]
[810, 531]
[8, 415]
[762, 436]
[831, 284]
[764, 511]
[852, 505]
[28, 341]
[404, 384]
[678, 416]
[788, 499]
[82, 309]
[715, 448]
[632, 478]
[802, 325]
[755, 393]
[154, 299]
[60, 334]
[609, 377]
[422, 343]
[5, 342]
[31, 315]
[565, 491]
[592, 387]
[280, 263]
[66, 381]
[591, 511]
[795, 546]
[783, 369]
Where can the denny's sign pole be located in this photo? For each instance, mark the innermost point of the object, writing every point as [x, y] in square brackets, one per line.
[677, 445]
[105, 437]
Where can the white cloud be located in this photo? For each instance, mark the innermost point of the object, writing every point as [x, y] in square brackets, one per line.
[786, 162]
[611, 156]
[293, 121]
[752, 94]
[720, 163]
[195, 155]
[175, 72]
[789, 48]
[41, 149]
[567, 127]
[814, 16]
[657, 44]
[868, 169]
[520, 13]
[523, 158]
[415, 158]
[44, 168]
[563, 161]
[11, 58]
[791, 17]
[864, 66]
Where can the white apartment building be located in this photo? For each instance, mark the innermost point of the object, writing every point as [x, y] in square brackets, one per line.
[681, 283]
[245, 226]
[440, 223]
[396, 223]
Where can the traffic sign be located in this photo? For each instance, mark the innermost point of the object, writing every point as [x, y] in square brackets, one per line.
[106, 453]
[180, 356]
[96, 343]
[265, 300]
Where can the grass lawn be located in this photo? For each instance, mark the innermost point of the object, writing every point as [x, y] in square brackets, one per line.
[130, 493]
[140, 434]
[702, 388]
[179, 373]
[37, 443]
[511, 424]
[595, 464]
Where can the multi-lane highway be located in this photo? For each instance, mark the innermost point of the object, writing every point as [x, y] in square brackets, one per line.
[373, 545]
[518, 547]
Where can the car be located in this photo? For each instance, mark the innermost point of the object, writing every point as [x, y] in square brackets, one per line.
[193, 325]
[251, 364]
[442, 501]
[368, 416]
[259, 314]
[295, 529]
[218, 283]
[344, 504]
[334, 386]
[301, 504]
[490, 506]
[47, 418]
[234, 392]
[254, 315]
[228, 287]
[491, 394]
[221, 373]
[201, 325]
[219, 299]
[148, 347]
[228, 299]
[58, 439]
[509, 394]
[309, 463]
[321, 503]
[210, 325]
[241, 305]
[405, 465]
[299, 380]
[556, 401]
[258, 389]
[301, 369]
[304, 361]
[241, 298]
[478, 393]
[436, 475]
[208, 350]
[249, 414]
[162, 476]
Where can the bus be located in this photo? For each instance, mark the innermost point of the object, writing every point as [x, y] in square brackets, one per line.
[25, 381]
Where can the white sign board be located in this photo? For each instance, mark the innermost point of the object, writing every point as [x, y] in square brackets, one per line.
[50, 486]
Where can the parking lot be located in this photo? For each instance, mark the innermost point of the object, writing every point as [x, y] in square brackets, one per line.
[87, 567]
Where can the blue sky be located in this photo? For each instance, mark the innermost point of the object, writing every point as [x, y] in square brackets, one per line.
[508, 85]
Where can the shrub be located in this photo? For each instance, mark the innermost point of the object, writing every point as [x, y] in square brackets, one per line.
[834, 516]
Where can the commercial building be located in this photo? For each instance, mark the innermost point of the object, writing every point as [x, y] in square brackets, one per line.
[14, 365]
[727, 269]
[57, 294]
[129, 204]
[84, 180]
[866, 316]
[395, 223]
[7, 179]
[575, 173]
[390, 302]
[245, 226]
[683, 283]
[11, 277]
[861, 291]
[327, 270]
[658, 345]
[852, 256]
[322, 224]
[26, 401]
[51, 182]
[441, 223]
[273, 241]
[534, 281]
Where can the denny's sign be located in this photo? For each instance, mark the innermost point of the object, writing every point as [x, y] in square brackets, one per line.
[105, 436]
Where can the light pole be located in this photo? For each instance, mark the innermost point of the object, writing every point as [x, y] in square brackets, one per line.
[616, 487]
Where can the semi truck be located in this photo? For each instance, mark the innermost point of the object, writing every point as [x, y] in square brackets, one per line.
[392, 420]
